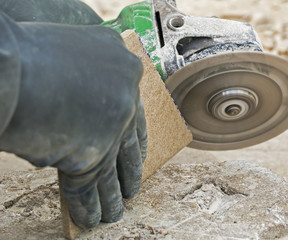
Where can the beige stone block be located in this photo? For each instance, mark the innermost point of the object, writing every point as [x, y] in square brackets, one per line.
[167, 131]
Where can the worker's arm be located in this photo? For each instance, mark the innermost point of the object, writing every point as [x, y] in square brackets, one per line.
[53, 11]
[70, 99]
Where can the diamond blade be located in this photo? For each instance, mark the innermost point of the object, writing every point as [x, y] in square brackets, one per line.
[232, 100]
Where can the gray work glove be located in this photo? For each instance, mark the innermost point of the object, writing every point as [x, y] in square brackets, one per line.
[70, 99]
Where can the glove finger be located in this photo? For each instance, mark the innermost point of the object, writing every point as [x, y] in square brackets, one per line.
[129, 165]
[142, 131]
[110, 195]
[83, 203]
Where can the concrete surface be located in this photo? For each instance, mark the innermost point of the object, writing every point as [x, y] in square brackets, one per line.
[232, 200]
[196, 195]
[227, 200]
[272, 154]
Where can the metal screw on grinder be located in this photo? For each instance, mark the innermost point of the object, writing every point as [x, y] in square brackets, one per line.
[175, 23]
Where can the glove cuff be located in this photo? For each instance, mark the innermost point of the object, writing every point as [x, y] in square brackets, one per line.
[10, 72]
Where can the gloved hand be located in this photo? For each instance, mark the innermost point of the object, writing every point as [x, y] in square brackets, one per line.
[71, 100]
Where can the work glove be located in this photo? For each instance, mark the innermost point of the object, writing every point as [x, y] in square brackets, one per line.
[54, 11]
[70, 99]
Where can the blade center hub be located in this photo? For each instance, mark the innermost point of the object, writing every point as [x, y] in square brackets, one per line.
[233, 104]
[233, 110]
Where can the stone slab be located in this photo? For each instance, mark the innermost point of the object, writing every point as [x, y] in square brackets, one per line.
[229, 200]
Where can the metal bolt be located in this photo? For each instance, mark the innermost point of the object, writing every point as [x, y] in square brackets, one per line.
[233, 110]
[175, 23]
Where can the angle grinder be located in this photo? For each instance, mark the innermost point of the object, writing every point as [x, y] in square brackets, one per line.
[231, 94]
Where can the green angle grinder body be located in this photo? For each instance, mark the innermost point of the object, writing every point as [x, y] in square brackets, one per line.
[231, 94]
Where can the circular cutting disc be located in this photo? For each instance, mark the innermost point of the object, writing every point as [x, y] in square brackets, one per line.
[232, 100]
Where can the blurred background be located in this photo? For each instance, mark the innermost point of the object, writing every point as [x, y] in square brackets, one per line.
[270, 18]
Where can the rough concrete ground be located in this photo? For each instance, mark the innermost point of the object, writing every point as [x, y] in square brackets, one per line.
[229, 200]
[187, 199]
[272, 154]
